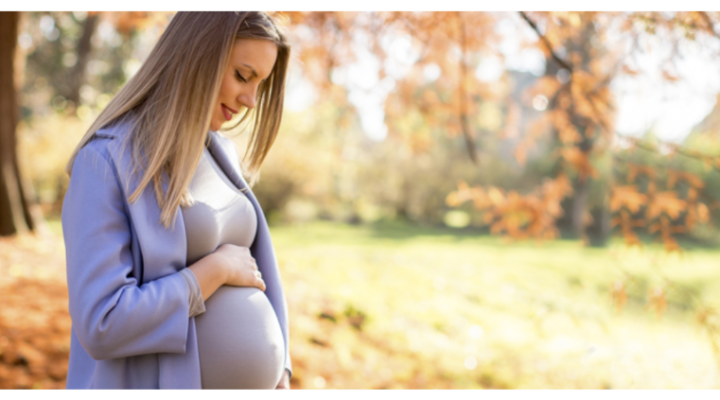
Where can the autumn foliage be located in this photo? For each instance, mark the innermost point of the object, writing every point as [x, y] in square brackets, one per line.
[517, 216]
[665, 212]
[579, 116]
[595, 179]
[584, 53]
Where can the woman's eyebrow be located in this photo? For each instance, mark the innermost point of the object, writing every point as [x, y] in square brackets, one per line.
[251, 69]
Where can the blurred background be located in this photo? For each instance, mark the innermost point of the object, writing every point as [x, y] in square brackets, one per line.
[457, 200]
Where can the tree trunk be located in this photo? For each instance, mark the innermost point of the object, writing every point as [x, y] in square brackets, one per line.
[605, 227]
[83, 49]
[581, 190]
[15, 211]
[604, 222]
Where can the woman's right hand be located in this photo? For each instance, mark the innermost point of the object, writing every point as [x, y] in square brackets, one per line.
[240, 268]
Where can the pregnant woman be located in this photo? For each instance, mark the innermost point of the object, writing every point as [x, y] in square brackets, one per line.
[172, 276]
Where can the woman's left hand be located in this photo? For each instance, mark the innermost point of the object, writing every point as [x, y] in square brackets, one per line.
[284, 381]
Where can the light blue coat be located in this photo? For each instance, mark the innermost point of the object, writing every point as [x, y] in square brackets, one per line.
[128, 303]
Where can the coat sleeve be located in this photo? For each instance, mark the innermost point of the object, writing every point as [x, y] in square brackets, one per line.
[112, 316]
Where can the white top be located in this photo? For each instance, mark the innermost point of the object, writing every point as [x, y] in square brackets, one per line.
[239, 338]
[221, 212]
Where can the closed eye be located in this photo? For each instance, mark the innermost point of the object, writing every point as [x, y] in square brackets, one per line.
[237, 75]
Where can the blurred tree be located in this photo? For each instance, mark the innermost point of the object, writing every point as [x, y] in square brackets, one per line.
[437, 98]
[75, 59]
[519, 128]
[580, 112]
[16, 213]
[581, 38]
[73, 63]
[82, 56]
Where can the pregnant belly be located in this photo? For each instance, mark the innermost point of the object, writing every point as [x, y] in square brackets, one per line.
[239, 340]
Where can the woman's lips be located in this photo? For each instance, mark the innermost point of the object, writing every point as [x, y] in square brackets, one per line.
[227, 112]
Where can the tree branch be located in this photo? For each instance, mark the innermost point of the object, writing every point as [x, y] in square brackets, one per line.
[546, 42]
[710, 24]
[469, 142]
[675, 148]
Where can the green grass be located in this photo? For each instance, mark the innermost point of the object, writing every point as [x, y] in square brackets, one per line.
[396, 306]
[449, 309]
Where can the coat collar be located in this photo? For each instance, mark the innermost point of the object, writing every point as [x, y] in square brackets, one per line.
[222, 150]
[162, 251]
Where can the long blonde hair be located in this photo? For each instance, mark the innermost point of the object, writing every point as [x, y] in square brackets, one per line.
[171, 98]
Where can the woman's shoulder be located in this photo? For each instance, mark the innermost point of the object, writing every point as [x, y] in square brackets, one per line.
[97, 147]
[104, 139]
[116, 129]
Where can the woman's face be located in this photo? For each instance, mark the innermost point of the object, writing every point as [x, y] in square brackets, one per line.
[251, 62]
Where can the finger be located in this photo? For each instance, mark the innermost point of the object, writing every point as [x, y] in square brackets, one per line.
[284, 383]
[254, 264]
[261, 285]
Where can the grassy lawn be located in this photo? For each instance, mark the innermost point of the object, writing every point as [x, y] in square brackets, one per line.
[392, 306]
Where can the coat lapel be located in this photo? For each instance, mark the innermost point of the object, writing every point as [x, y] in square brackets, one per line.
[157, 252]
[163, 251]
[222, 157]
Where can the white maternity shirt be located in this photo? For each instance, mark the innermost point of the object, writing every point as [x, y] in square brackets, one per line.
[239, 338]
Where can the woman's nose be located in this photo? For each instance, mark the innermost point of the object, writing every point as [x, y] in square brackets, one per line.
[247, 99]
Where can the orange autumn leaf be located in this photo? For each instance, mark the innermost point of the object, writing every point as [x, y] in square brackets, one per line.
[655, 227]
[671, 244]
[568, 134]
[631, 239]
[579, 160]
[518, 216]
[627, 196]
[693, 180]
[453, 199]
[666, 203]
[496, 196]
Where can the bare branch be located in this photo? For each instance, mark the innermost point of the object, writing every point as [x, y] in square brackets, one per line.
[546, 42]
[469, 141]
[676, 148]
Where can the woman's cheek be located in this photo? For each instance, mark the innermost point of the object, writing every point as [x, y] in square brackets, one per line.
[213, 123]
